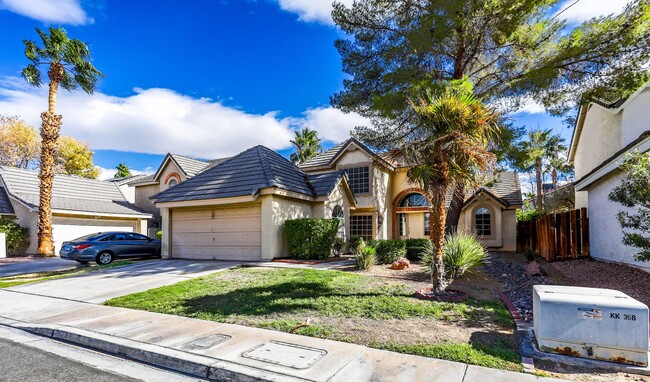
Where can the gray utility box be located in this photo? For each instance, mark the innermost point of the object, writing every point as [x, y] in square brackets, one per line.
[602, 324]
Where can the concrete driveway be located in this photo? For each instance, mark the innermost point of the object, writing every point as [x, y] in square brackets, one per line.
[37, 266]
[99, 286]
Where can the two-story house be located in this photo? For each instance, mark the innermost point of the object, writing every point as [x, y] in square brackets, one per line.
[389, 206]
[604, 134]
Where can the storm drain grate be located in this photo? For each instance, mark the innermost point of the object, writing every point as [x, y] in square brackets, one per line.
[285, 354]
[207, 342]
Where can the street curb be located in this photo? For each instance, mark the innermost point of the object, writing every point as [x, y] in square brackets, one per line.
[530, 351]
[187, 363]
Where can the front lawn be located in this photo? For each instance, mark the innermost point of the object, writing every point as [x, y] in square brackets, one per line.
[372, 311]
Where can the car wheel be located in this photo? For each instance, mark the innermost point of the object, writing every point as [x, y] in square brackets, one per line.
[105, 258]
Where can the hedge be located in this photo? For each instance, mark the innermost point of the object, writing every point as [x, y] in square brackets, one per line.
[414, 248]
[17, 237]
[390, 250]
[311, 238]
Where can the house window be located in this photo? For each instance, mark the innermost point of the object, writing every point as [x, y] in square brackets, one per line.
[359, 178]
[483, 222]
[361, 226]
[337, 213]
[172, 182]
[414, 200]
[402, 224]
[427, 224]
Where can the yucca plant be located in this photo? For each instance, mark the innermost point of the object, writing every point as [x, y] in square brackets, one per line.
[365, 259]
[461, 252]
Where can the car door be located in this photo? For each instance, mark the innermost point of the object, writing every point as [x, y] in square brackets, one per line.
[140, 244]
[118, 244]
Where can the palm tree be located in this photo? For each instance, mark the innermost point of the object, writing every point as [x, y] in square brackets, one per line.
[307, 145]
[449, 142]
[68, 64]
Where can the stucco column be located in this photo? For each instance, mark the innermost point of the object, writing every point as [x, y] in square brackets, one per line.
[166, 249]
[269, 231]
[143, 226]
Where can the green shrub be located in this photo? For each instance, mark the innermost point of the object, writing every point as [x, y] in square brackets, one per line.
[461, 252]
[159, 235]
[311, 238]
[530, 215]
[17, 237]
[372, 243]
[415, 248]
[365, 259]
[530, 253]
[338, 246]
[390, 250]
[355, 245]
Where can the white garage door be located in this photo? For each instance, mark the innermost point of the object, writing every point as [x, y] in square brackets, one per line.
[232, 233]
[65, 232]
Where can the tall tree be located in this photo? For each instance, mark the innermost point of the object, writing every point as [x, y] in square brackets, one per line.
[449, 141]
[513, 51]
[19, 143]
[75, 158]
[634, 192]
[123, 171]
[68, 65]
[307, 145]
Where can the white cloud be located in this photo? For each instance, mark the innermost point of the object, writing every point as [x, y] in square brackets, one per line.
[531, 107]
[311, 10]
[109, 173]
[332, 124]
[48, 11]
[160, 120]
[587, 9]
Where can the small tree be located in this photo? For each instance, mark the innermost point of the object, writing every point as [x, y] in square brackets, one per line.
[123, 171]
[74, 157]
[634, 191]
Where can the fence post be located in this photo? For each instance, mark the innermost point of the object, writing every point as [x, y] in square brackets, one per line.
[584, 221]
[574, 234]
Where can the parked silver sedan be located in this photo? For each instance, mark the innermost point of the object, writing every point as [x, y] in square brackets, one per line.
[104, 247]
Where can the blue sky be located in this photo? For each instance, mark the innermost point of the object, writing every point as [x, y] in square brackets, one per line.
[205, 80]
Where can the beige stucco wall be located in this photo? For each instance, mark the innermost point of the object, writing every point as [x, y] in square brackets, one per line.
[467, 216]
[170, 168]
[635, 117]
[26, 218]
[509, 230]
[600, 139]
[275, 211]
[325, 209]
[142, 201]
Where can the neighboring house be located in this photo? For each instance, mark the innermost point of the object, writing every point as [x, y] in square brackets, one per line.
[79, 206]
[173, 169]
[236, 210]
[391, 207]
[604, 134]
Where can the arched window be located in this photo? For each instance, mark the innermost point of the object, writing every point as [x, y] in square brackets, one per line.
[337, 212]
[483, 222]
[414, 200]
[172, 182]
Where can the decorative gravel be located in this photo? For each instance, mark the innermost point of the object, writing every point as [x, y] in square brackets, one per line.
[516, 284]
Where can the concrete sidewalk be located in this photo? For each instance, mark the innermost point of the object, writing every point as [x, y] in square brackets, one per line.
[225, 351]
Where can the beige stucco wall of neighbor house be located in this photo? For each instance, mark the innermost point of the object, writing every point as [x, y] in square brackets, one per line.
[142, 201]
[635, 117]
[581, 199]
[509, 230]
[275, 211]
[600, 139]
[605, 233]
[325, 209]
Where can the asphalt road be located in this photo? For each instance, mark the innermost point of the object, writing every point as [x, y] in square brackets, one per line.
[19, 363]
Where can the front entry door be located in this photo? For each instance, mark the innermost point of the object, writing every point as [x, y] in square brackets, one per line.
[411, 225]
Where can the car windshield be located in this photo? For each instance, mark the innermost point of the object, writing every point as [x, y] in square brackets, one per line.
[90, 237]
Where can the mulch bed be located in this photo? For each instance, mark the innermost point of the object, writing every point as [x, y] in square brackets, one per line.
[308, 262]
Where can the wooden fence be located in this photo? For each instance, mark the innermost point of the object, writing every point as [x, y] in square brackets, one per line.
[557, 236]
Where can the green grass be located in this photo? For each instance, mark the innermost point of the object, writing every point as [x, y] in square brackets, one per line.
[259, 292]
[6, 282]
[280, 299]
[497, 356]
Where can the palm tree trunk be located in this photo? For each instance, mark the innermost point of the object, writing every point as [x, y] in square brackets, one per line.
[538, 179]
[438, 217]
[455, 208]
[554, 178]
[49, 135]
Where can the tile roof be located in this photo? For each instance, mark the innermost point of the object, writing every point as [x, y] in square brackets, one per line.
[143, 180]
[69, 193]
[190, 166]
[5, 205]
[126, 179]
[324, 183]
[245, 174]
[506, 186]
[326, 158]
